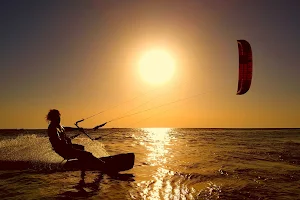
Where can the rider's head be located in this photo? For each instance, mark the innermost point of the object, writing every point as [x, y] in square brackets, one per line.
[53, 116]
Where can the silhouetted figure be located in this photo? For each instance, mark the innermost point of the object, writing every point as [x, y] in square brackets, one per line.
[62, 144]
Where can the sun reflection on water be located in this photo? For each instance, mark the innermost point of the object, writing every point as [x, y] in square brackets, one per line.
[161, 147]
[158, 143]
[159, 140]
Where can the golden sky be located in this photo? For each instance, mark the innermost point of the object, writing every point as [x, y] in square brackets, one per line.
[83, 58]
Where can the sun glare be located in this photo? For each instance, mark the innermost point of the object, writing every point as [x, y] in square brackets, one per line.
[157, 67]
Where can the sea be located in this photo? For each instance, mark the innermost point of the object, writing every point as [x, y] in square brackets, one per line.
[169, 164]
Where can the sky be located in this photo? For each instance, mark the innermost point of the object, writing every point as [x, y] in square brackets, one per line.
[81, 57]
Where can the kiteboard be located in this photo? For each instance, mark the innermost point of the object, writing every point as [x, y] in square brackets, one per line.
[109, 164]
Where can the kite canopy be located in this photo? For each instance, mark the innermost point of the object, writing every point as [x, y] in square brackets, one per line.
[245, 67]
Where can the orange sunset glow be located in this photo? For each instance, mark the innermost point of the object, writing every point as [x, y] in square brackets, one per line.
[129, 57]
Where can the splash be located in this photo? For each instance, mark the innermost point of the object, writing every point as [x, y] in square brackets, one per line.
[37, 148]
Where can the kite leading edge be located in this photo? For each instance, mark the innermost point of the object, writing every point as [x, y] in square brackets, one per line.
[245, 67]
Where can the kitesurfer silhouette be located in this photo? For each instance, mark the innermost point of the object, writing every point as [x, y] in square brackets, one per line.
[62, 144]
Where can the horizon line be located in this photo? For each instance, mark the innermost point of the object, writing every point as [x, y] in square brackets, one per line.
[165, 127]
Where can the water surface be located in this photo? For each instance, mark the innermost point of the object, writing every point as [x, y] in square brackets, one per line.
[170, 164]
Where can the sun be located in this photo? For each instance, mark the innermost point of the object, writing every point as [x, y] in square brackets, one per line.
[157, 67]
